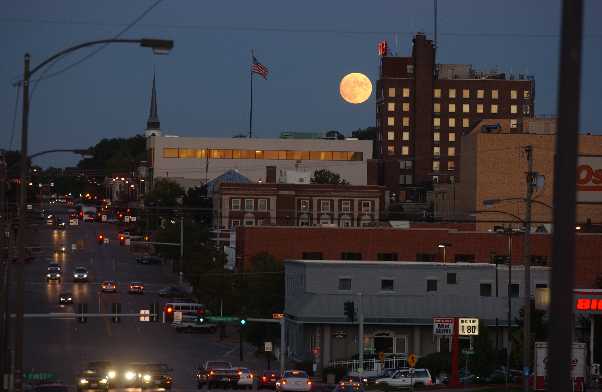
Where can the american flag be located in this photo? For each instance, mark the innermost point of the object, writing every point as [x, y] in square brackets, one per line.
[259, 69]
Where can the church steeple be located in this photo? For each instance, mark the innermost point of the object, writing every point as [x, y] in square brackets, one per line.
[153, 116]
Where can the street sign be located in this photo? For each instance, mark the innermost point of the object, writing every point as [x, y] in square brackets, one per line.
[267, 347]
[277, 316]
[73, 222]
[126, 219]
[177, 317]
[443, 326]
[73, 246]
[132, 219]
[144, 315]
[412, 360]
[39, 376]
[468, 326]
[223, 319]
[103, 218]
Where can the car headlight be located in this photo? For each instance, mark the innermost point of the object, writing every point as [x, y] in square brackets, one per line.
[130, 375]
[112, 374]
[69, 299]
[83, 381]
[146, 377]
[103, 381]
[85, 275]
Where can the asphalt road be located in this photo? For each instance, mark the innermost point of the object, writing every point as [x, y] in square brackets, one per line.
[62, 345]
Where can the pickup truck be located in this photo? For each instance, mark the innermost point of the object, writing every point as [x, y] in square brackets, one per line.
[217, 373]
[192, 324]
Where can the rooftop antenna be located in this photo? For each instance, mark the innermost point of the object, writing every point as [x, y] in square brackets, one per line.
[435, 22]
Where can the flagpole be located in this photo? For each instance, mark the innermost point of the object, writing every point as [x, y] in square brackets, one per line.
[251, 109]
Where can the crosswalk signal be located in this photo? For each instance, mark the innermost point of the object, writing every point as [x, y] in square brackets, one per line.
[350, 310]
[116, 312]
[82, 309]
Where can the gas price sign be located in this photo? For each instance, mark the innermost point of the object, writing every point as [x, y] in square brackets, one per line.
[468, 326]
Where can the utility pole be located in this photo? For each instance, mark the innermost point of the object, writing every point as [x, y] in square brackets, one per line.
[4, 270]
[509, 329]
[360, 318]
[181, 248]
[531, 182]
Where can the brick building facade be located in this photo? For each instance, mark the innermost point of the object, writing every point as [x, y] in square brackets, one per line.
[423, 109]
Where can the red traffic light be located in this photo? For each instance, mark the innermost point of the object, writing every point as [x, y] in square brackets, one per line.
[100, 237]
[169, 309]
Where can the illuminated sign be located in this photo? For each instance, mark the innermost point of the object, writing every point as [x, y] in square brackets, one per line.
[468, 326]
[443, 326]
[589, 179]
[588, 301]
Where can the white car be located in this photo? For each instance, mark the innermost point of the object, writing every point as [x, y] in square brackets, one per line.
[294, 380]
[406, 377]
[246, 378]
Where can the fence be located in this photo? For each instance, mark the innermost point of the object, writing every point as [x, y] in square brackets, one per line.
[373, 366]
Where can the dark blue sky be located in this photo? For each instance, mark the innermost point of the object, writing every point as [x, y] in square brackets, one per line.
[308, 46]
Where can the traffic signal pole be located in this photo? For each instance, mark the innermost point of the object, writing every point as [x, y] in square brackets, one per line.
[360, 319]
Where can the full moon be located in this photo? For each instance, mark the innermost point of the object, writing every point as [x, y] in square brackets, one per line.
[355, 88]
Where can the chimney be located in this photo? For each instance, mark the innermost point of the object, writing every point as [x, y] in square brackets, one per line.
[270, 174]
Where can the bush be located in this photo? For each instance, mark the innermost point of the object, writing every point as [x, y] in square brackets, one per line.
[339, 373]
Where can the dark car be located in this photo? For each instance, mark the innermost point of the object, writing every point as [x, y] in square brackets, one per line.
[149, 260]
[172, 292]
[65, 298]
[80, 274]
[268, 379]
[349, 386]
[55, 266]
[156, 375]
[92, 379]
[53, 274]
[136, 288]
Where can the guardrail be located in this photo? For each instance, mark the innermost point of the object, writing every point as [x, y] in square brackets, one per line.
[373, 365]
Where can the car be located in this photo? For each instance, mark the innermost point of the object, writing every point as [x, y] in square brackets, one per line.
[294, 380]
[56, 266]
[246, 378]
[156, 375]
[80, 274]
[92, 379]
[214, 373]
[136, 288]
[406, 378]
[172, 292]
[53, 274]
[108, 286]
[61, 249]
[349, 386]
[65, 298]
[149, 260]
[268, 379]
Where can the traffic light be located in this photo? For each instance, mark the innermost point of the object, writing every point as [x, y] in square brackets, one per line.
[350, 310]
[122, 240]
[146, 238]
[243, 321]
[200, 320]
[100, 238]
[116, 312]
[82, 309]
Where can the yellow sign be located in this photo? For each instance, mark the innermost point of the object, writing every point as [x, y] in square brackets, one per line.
[412, 360]
[277, 316]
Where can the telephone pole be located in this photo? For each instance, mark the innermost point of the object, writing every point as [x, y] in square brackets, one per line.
[531, 183]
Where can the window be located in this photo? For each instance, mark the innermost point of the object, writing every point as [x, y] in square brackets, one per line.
[513, 94]
[541, 285]
[451, 122]
[346, 206]
[513, 109]
[170, 153]
[344, 283]
[451, 151]
[493, 108]
[425, 257]
[387, 285]
[526, 94]
[513, 123]
[387, 257]
[436, 151]
[514, 290]
[409, 179]
[451, 136]
[391, 149]
[314, 256]
[324, 205]
[436, 137]
[479, 108]
[405, 92]
[249, 204]
[262, 204]
[366, 206]
[452, 93]
[351, 256]
[390, 121]
[526, 109]
[437, 107]
[451, 165]
[431, 285]
[234, 222]
[345, 222]
[485, 290]
[405, 106]
[465, 93]
[405, 164]
[466, 108]
[452, 278]
[249, 222]
[451, 107]
[410, 68]
[391, 92]
[391, 135]
[494, 94]
[436, 165]
[391, 106]
[436, 122]
[539, 260]
[405, 150]
[437, 93]
[465, 123]
[405, 136]
[235, 204]
[480, 94]
[303, 220]
[304, 205]
[405, 121]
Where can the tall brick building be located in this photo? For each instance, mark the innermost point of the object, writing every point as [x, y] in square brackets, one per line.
[423, 108]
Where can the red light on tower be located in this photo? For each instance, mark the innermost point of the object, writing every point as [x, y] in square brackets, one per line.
[383, 48]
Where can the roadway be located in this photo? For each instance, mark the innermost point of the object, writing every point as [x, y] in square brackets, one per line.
[63, 345]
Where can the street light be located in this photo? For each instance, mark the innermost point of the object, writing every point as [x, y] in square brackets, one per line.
[159, 46]
[443, 245]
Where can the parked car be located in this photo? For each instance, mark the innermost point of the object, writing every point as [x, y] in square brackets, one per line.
[406, 378]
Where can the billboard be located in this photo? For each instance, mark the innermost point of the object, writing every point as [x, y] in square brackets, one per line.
[589, 179]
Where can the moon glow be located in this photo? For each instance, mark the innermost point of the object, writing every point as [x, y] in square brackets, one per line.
[355, 88]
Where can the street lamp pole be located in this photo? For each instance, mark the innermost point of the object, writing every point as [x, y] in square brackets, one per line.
[509, 342]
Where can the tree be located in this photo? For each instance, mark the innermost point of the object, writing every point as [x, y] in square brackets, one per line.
[196, 197]
[165, 193]
[324, 176]
[365, 134]
[115, 155]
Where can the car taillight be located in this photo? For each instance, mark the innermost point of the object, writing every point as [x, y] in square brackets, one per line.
[429, 382]
[308, 382]
[211, 373]
[283, 381]
[264, 378]
[169, 310]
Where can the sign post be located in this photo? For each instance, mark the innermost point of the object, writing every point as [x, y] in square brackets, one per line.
[267, 348]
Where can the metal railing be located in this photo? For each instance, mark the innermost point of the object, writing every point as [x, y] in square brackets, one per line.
[373, 366]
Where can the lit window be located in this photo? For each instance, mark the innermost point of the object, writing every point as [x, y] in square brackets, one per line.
[391, 92]
[466, 108]
[493, 108]
[391, 106]
[391, 149]
[526, 94]
[452, 93]
[452, 108]
[436, 166]
[451, 151]
[170, 153]
[436, 151]
[451, 165]
[405, 150]
[437, 93]
[513, 94]
[235, 204]
[262, 204]
[390, 121]
[451, 122]
[390, 135]
[479, 108]
[526, 109]
[465, 93]
[494, 94]
[405, 136]
[405, 106]
[451, 136]
[324, 205]
[436, 122]
[480, 94]
[366, 206]
[405, 121]
[346, 206]
[437, 107]
[405, 92]
[304, 205]
[436, 136]
[465, 123]
[513, 123]
[249, 204]
[513, 109]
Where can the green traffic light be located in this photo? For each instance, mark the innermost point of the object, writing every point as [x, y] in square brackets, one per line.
[243, 322]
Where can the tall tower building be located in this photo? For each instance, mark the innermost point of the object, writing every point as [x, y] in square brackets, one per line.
[153, 125]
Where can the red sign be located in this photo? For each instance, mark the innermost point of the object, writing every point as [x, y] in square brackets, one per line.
[589, 179]
[588, 301]
[383, 48]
